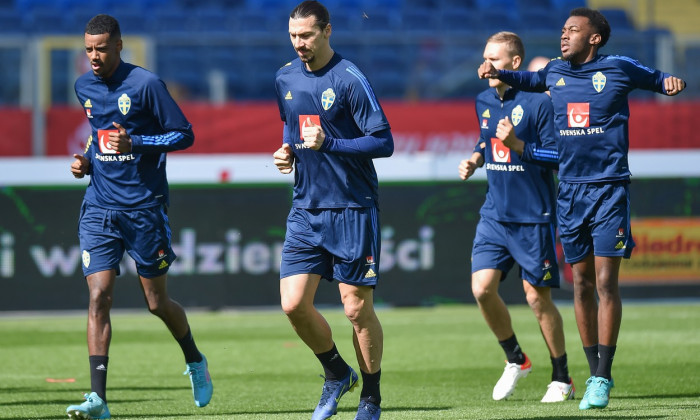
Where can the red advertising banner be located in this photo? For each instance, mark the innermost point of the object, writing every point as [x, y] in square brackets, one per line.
[16, 129]
[256, 127]
[667, 251]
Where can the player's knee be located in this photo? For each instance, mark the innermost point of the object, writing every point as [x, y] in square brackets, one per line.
[481, 292]
[608, 290]
[355, 309]
[157, 305]
[294, 308]
[539, 298]
[100, 300]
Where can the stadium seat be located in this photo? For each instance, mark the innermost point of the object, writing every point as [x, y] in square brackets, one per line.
[10, 22]
[132, 20]
[618, 19]
[379, 20]
[45, 19]
[453, 5]
[172, 21]
[388, 83]
[458, 21]
[492, 20]
[213, 21]
[419, 21]
[537, 20]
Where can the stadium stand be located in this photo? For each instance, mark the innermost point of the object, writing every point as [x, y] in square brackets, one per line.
[221, 36]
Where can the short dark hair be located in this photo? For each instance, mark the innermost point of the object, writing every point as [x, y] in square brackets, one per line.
[104, 24]
[597, 20]
[312, 8]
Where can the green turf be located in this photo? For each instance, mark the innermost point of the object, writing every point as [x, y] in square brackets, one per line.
[439, 363]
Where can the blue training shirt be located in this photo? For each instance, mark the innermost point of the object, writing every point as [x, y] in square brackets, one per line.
[339, 98]
[591, 112]
[518, 191]
[138, 100]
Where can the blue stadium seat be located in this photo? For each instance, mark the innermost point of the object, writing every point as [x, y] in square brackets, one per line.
[492, 20]
[388, 83]
[618, 19]
[543, 21]
[252, 21]
[132, 20]
[419, 21]
[420, 4]
[452, 5]
[214, 21]
[379, 20]
[458, 21]
[345, 22]
[45, 19]
[523, 5]
[354, 52]
[172, 21]
[182, 66]
[10, 22]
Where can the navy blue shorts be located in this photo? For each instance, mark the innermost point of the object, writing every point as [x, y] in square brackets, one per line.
[144, 233]
[498, 245]
[594, 218]
[338, 244]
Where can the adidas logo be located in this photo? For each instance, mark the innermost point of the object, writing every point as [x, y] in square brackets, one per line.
[288, 96]
[547, 276]
[370, 273]
[87, 104]
[486, 114]
[561, 82]
[101, 367]
[162, 265]
[620, 245]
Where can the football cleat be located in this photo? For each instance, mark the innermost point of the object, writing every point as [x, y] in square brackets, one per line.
[92, 408]
[368, 411]
[332, 391]
[583, 405]
[559, 391]
[200, 379]
[599, 394]
[512, 373]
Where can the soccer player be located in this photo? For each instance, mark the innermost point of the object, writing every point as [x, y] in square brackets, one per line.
[134, 123]
[589, 94]
[517, 219]
[333, 128]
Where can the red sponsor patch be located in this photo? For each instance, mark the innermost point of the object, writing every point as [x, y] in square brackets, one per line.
[578, 114]
[303, 122]
[501, 153]
[103, 141]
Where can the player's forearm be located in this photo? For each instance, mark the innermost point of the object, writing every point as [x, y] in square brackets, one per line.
[378, 145]
[478, 159]
[546, 157]
[523, 80]
[167, 142]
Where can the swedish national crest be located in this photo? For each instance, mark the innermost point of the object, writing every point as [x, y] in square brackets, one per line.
[599, 80]
[124, 103]
[327, 99]
[517, 115]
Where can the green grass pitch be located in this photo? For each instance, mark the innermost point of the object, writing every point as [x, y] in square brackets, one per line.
[439, 363]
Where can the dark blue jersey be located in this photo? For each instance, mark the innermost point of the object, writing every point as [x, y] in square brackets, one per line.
[518, 191]
[137, 100]
[339, 98]
[591, 112]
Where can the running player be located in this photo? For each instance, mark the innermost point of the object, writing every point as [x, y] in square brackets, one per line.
[134, 123]
[517, 220]
[333, 128]
[591, 113]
